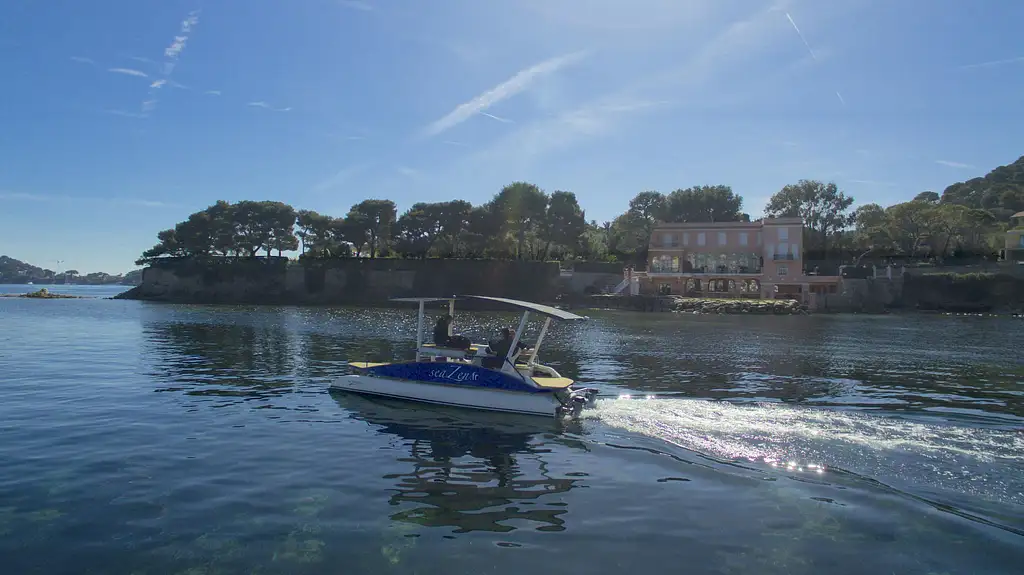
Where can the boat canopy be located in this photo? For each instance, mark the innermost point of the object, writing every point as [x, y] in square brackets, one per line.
[552, 312]
[546, 310]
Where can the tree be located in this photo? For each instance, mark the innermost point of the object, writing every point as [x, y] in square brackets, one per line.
[703, 204]
[418, 228]
[910, 223]
[316, 231]
[564, 222]
[872, 227]
[454, 218]
[281, 224]
[521, 208]
[930, 197]
[369, 223]
[823, 208]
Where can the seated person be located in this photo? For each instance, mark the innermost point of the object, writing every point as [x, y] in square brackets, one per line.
[500, 348]
[442, 339]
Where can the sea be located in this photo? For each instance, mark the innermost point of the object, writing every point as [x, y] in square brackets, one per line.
[149, 438]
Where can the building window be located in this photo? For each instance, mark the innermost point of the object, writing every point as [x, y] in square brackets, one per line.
[721, 238]
[686, 238]
[743, 238]
[796, 250]
[783, 270]
[666, 240]
[701, 239]
[783, 234]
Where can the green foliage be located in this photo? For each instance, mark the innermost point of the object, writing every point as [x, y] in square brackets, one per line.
[522, 221]
[824, 209]
[1000, 192]
[923, 227]
[703, 204]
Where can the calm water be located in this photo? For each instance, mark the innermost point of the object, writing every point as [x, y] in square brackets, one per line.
[147, 438]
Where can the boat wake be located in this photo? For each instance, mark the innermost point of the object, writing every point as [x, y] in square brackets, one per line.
[932, 458]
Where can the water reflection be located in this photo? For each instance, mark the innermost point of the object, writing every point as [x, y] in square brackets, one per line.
[225, 359]
[470, 471]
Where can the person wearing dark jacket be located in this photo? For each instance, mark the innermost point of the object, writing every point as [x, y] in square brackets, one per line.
[442, 339]
[501, 346]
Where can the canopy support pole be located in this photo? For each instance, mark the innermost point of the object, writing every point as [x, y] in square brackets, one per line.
[515, 342]
[540, 338]
[451, 312]
[419, 332]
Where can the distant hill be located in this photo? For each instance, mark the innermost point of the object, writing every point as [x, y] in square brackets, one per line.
[1000, 191]
[14, 271]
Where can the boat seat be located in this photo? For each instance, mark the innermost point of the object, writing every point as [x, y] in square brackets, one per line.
[472, 347]
[553, 382]
[366, 364]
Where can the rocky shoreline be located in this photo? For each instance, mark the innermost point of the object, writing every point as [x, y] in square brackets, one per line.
[680, 304]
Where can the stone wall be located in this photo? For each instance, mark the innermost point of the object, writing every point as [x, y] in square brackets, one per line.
[342, 281]
[964, 292]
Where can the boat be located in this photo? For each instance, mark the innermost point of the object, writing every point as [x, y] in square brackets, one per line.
[476, 378]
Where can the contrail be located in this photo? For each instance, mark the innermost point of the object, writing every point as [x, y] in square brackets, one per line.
[841, 100]
[799, 33]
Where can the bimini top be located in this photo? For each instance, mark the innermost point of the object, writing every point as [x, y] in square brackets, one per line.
[423, 299]
[549, 311]
[528, 306]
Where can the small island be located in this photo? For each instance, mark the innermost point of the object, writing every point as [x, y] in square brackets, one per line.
[43, 294]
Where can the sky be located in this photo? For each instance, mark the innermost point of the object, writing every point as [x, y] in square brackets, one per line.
[118, 118]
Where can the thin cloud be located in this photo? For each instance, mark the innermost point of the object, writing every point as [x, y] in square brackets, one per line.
[454, 143]
[841, 99]
[212, 92]
[129, 72]
[517, 150]
[171, 55]
[493, 117]
[994, 63]
[801, 34]
[958, 165]
[521, 81]
[267, 106]
[143, 60]
[338, 178]
[356, 5]
[409, 172]
[149, 105]
[83, 60]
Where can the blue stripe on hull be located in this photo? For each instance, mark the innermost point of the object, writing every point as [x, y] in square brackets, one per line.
[457, 374]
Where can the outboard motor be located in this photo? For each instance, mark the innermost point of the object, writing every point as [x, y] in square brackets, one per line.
[580, 399]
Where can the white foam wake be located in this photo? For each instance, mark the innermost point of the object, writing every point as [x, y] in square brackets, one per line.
[982, 462]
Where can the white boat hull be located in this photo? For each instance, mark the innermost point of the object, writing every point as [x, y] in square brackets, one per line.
[452, 395]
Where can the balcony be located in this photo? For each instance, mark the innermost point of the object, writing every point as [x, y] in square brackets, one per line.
[784, 257]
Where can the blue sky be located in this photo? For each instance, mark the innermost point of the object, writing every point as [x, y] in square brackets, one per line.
[121, 117]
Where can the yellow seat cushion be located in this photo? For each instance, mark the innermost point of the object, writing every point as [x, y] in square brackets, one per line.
[366, 364]
[553, 382]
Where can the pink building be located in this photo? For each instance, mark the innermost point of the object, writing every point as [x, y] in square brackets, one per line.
[760, 259]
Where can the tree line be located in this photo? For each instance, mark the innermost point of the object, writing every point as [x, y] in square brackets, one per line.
[522, 221]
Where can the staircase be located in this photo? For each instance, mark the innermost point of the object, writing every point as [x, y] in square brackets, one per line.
[630, 280]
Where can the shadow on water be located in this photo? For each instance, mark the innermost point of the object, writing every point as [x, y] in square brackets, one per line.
[470, 471]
